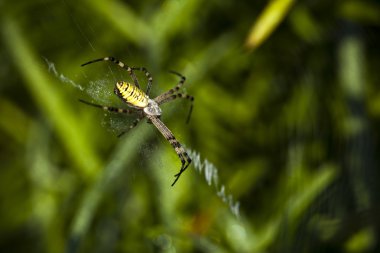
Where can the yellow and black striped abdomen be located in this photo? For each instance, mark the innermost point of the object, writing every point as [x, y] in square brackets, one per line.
[131, 94]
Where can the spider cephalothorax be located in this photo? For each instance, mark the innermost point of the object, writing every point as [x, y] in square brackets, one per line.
[152, 108]
[143, 106]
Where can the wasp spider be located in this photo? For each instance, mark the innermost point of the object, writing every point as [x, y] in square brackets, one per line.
[142, 106]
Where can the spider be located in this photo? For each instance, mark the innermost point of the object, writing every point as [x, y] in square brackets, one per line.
[143, 106]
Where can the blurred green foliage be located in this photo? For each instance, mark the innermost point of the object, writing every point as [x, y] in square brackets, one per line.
[286, 115]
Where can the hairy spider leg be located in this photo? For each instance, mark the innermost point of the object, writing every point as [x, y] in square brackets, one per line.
[180, 95]
[120, 64]
[173, 90]
[116, 110]
[185, 159]
[169, 95]
[109, 108]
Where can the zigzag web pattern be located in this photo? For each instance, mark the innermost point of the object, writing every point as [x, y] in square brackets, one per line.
[211, 176]
[61, 77]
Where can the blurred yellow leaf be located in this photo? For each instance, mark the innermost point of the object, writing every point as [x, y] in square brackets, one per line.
[269, 19]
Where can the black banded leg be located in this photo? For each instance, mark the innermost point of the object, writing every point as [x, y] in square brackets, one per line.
[134, 123]
[185, 159]
[173, 90]
[119, 63]
[108, 108]
[181, 81]
[183, 156]
[179, 95]
[148, 75]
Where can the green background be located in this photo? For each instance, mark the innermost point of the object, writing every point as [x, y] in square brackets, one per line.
[284, 131]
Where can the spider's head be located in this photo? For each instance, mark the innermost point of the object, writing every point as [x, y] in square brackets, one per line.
[152, 108]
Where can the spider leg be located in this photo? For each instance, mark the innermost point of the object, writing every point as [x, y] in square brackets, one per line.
[181, 81]
[116, 110]
[169, 95]
[120, 64]
[134, 123]
[148, 75]
[173, 90]
[108, 108]
[178, 95]
[185, 159]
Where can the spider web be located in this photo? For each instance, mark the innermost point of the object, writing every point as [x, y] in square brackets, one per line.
[96, 83]
[117, 123]
[98, 90]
